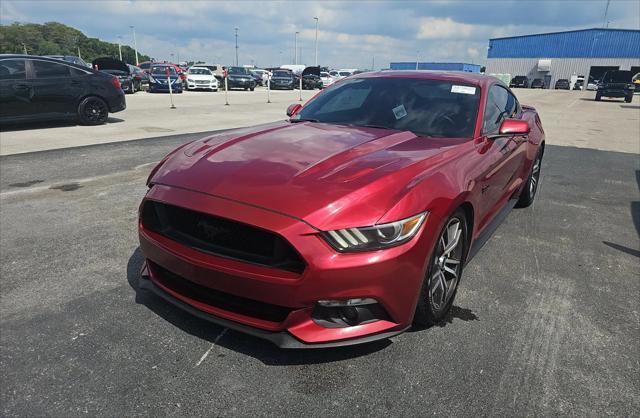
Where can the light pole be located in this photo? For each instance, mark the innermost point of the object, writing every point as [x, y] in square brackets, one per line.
[280, 59]
[295, 48]
[316, 19]
[417, 59]
[120, 46]
[236, 29]
[135, 44]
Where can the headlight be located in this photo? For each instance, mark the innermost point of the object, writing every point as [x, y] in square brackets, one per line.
[190, 80]
[375, 237]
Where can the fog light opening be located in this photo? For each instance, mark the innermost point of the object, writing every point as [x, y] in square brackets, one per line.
[348, 312]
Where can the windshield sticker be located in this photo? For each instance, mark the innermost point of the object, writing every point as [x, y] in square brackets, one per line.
[463, 89]
[399, 112]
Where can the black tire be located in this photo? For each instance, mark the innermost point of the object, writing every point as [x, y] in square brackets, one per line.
[628, 99]
[93, 110]
[433, 305]
[598, 96]
[252, 88]
[530, 188]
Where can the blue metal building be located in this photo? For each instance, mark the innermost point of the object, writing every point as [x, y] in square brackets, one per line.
[551, 56]
[438, 66]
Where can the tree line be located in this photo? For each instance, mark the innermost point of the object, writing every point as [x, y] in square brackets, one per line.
[53, 38]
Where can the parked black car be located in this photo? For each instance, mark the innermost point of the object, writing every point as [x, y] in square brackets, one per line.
[240, 78]
[311, 78]
[282, 79]
[538, 83]
[562, 84]
[616, 84]
[118, 69]
[140, 78]
[34, 87]
[519, 81]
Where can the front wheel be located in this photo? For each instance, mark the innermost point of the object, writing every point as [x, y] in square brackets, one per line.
[443, 273]
[251, 88]
[531, 187]
[92, 111]
[598, 96]
[628, 99]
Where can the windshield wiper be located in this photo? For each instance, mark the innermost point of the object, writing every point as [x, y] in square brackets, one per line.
[303, 120]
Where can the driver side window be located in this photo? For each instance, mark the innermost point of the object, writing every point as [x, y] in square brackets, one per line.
[501, 104]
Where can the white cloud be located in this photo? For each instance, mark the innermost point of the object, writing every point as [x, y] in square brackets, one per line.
[432, 28]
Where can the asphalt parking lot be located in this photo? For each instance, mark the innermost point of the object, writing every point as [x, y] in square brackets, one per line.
[546, 321]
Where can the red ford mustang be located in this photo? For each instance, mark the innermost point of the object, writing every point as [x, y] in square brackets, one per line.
[350, 221]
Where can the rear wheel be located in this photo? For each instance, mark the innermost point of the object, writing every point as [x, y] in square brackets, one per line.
[598, 96]
[252, 88]
[92, 111]
[443, 273]
[531, 187]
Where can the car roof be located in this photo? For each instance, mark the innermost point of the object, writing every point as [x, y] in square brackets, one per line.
[43, 58]
[476, 79]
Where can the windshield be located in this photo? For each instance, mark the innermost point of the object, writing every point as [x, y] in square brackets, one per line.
[163, 70]
[238, 70]
[282, 74]
[344, 73]
[325, 75]
[199, 71]
[425, 107]
[617, 77]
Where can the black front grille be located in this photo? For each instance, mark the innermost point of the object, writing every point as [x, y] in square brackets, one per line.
[222, 237]
[218, 299]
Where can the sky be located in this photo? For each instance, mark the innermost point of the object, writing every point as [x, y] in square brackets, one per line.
[351, 34]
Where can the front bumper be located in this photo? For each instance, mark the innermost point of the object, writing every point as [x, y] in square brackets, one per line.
[164, 88]
[615, 92]
[193, 85]
[328, 275]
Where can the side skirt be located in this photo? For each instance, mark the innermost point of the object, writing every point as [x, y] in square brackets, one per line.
[488, 231]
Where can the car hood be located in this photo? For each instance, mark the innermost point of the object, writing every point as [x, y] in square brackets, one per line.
[108, 63]
[330, 176]
[240, 76]
[200, 77]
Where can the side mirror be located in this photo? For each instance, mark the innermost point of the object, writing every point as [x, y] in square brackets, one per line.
[512, 127]
[293, 109]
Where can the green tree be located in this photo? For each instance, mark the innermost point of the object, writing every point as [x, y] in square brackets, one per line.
[54, 38]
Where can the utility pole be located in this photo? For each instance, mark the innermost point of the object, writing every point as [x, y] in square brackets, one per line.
[295, 48]
[79, 56]
[236, 29]
[316, 19]
[135, 44]
[417, 59]
[25, 49]
[605, 23]
[280, 60]
[373, 63]
[120, 46]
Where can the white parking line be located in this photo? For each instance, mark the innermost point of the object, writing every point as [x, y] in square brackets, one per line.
[206, 353]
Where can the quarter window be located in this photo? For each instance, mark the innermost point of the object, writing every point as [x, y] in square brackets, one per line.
[12, 70]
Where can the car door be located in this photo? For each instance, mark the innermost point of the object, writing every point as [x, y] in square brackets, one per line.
[503, 156]
[15, 90]
[55, 91]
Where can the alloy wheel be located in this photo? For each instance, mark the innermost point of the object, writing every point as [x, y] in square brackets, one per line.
[535, 177]
[447, 263]
[95, 110]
